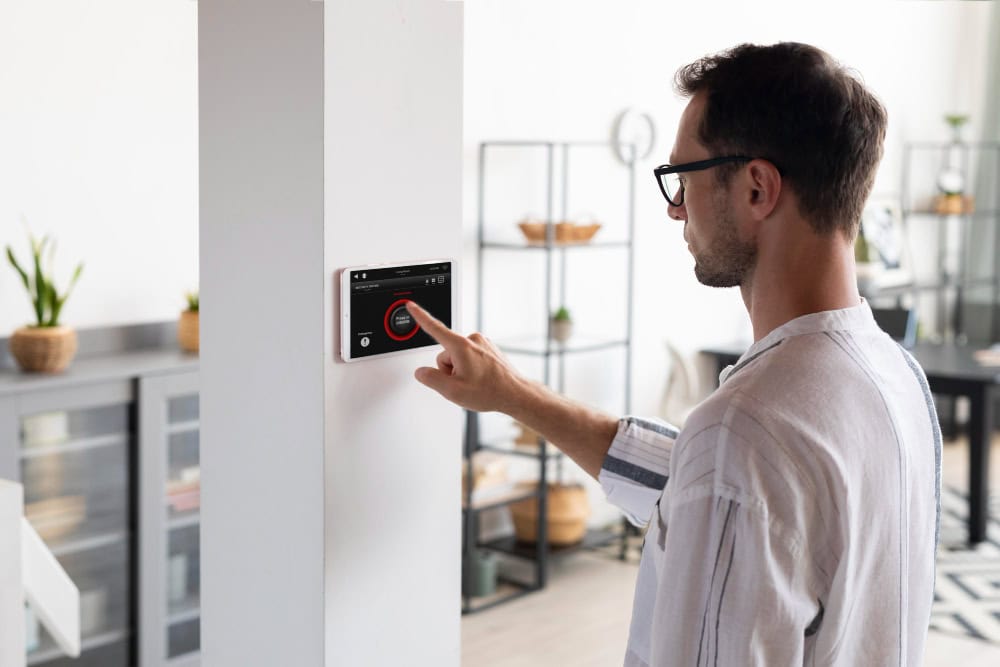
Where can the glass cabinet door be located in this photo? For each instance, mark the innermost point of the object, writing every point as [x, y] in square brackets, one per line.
[171, 499]
[75, 456]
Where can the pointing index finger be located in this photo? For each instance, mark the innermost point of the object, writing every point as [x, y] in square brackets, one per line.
[434, 327]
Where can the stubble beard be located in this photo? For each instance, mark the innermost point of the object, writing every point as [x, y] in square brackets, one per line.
[728, 261]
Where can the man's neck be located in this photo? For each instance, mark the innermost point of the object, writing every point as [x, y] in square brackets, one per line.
[797, 278]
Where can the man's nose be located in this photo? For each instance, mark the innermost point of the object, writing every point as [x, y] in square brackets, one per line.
[677, 212]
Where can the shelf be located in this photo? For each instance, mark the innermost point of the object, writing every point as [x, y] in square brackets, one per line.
[87, 543]
[933, 287]
[37, 657]
[536, 345]
[513, 496]
[926, 213]
[184, 611]
[191, 518]
[938, 145]
[183, 427]
[527, 143]
[551, 451]
[79, 445]
[192, 659]
[89, 371]
[556, 246]
[527, 550]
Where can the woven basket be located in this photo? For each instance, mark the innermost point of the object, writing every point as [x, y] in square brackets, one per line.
[43, 349]
[568, 510]
[565, 232]
[187, 331]
[954, 204]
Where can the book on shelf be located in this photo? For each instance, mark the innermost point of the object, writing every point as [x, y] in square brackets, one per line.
[184, 493]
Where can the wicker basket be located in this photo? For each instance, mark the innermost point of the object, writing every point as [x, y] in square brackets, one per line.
[954, 204]
[568, 510]
[565, 232]
[187, 331]
[43, 349]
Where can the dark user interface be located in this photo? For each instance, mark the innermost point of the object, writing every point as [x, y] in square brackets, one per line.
[379, 320]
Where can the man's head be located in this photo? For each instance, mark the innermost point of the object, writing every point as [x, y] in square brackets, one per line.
[817, 131]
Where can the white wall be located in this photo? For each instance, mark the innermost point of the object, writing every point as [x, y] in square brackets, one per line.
[98, 124]
[563, 70]
[393, 447]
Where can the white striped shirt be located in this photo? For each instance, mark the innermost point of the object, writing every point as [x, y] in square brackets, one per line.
[799, 522]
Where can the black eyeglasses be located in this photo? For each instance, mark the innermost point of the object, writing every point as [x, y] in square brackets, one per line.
[670, 183]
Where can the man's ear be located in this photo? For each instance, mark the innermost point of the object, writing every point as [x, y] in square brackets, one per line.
[764, 188]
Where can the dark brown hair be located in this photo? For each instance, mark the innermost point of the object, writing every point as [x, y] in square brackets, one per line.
[796, 106]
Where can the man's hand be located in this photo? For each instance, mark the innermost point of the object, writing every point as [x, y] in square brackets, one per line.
[471, 371]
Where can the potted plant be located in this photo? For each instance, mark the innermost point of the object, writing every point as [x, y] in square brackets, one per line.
[187, 327]
[951, 181]
[561, 327]
[45, 346]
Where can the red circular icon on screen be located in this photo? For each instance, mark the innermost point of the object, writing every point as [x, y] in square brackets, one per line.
[399, 324]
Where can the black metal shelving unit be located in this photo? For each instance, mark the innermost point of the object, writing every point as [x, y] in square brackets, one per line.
[540, 552]
[950, 287]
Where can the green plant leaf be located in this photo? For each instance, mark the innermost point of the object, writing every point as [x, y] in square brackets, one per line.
[38, 297]
[562, 314]
[956, 119]
[20, 271]
[24, 276]
[76, 276]
[41, 287]
[51, 302]
[59, 301]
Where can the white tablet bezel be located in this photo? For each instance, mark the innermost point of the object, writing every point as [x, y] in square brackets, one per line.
[345, 306]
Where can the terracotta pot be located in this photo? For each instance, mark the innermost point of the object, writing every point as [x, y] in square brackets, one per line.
[187, 331]
[43, 349]
[561, 330]
[568, 510]
[953, 204]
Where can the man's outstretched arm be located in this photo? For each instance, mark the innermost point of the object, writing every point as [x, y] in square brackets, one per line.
[474, 374]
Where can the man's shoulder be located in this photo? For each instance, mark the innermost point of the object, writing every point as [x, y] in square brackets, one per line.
[811, 373]
[776, 411]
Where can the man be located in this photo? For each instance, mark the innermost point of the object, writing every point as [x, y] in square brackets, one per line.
[793, 520]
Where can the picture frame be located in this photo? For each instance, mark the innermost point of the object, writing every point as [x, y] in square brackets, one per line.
[884, 231]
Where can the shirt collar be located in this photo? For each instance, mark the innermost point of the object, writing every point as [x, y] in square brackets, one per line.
[858, 317]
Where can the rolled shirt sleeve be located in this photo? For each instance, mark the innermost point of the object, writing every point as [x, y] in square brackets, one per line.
[636, 467]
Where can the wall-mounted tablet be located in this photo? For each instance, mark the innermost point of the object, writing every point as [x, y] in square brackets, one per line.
[374, 319]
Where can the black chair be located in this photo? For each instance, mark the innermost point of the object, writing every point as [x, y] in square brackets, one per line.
[900, 323]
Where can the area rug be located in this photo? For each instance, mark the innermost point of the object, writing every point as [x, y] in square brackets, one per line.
[967, 590]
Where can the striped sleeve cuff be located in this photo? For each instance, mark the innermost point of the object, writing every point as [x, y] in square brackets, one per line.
[636, 467]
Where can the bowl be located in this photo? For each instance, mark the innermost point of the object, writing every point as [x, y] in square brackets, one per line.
[565, 232]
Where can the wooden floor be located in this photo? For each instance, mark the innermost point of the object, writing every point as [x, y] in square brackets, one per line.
[582, 617]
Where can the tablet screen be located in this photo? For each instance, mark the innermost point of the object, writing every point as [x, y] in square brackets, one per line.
[379, 320]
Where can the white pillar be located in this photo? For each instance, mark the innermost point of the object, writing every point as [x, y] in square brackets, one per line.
[330, 136]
